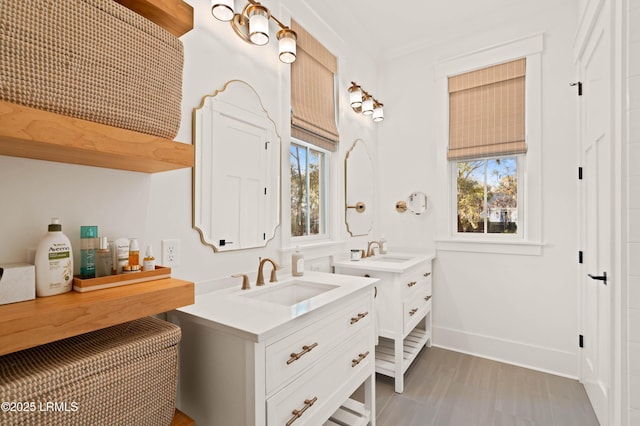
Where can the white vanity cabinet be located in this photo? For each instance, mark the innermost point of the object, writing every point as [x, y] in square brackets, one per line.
[402, 306]
[301, 371]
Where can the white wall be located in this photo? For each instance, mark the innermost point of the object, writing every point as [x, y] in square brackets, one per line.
[158, 206]
[633, 196]
[520, 309]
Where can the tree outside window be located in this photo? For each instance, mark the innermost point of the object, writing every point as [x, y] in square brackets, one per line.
[487, 200]
[307, 190]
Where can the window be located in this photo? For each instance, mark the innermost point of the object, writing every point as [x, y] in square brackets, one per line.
[487, 196]
[486, 132]
[519, 139]
[308, 189]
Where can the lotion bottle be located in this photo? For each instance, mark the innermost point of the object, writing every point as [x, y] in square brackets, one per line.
[134, 252]
[297, 263]
[104, 259]
[54, 262]
[383, 244]
[149, 262]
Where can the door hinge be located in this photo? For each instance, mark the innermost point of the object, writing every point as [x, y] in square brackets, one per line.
[580, 256]
[579, 173]
[579, 84]
[581, 341]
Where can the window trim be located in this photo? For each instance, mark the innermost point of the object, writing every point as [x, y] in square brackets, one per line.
[530, 189]
[303, 239]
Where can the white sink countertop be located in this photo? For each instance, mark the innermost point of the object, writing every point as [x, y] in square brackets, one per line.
[390, 262]
[250, 314]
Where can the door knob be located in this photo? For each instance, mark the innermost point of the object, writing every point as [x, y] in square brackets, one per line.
[602, 277]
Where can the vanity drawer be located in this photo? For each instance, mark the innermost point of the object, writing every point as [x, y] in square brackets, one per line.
[316, 387]
[417, 279]
[293, 354]
[414, 308]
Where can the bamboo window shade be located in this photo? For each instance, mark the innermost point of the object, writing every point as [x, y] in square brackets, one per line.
[312, 92]
[487, 112]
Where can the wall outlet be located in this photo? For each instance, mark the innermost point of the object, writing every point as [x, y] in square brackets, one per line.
[171, 252]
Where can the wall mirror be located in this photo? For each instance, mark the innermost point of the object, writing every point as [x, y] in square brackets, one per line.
[358, 171]
[415, 203]
[236, 177]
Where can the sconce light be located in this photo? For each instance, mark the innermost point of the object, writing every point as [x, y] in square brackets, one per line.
[363, 102]
[252, 25]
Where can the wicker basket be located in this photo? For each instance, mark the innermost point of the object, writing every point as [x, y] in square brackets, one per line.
[91, 59]
[122, 375]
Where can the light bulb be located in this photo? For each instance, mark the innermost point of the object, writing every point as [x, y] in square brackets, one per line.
[222, 10]
[258, 24]
[367, 106]
[287, 45]
[378, 113]
[355, 96]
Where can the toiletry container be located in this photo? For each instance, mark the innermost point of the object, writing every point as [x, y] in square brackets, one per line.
[134, 252]
[121, 251]
[297, 263]
[104, 259]
[383, 244]
[54, 262]
[149, 262]
[88, 247]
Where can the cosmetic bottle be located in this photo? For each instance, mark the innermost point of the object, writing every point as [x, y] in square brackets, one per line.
[134, 252]
[149, 262]
[383, 244]
[54, 262]
[88, 247]
[297, 263]
[104, 259]
[121, 251]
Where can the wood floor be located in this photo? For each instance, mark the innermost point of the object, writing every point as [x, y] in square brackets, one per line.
[445, 388]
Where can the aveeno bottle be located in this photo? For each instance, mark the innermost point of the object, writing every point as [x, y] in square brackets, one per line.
[54, 262]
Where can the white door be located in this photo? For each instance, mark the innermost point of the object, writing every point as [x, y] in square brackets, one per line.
[596, 215]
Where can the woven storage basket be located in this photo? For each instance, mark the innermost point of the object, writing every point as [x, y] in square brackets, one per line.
[91, 59]
[122, 375]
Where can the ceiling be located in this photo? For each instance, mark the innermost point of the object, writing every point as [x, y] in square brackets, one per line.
[386, 29]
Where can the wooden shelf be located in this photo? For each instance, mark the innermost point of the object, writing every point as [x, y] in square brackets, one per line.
[181, 419]
[41, 135]
[412, 344]
[174, 16]
[47, 319]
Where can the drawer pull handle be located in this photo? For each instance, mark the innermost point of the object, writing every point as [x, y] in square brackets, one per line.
[298, 413]
[413, 311]
[427, 298]
[355, 362]
[358, 317]
[412, 283]
[426, 274]
[305, 349]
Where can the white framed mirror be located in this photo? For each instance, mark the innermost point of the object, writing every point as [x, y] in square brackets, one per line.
[236, 177]
[358, 171]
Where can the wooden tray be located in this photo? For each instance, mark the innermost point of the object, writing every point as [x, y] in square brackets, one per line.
[91, 284]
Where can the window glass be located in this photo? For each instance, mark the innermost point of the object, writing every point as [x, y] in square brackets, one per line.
[307, 167]
[487, 196]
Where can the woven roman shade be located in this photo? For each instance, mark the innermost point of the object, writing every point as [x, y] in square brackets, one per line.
[486, 112]
[312, 92]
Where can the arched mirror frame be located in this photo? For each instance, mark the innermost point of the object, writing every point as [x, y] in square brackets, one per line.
[245, 112]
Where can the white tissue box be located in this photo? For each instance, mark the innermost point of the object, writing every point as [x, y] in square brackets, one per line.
[17, 282]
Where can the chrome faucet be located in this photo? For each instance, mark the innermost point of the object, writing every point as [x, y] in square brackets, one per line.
[245, 281]
[273, 278]
[370, 249]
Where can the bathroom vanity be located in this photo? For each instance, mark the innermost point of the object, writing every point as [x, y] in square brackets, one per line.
[287, 353]
[402, 306]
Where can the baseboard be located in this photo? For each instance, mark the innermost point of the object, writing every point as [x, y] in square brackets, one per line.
[539, 358]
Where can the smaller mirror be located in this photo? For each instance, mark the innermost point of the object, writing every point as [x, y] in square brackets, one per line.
[416, 203]
[358, 170]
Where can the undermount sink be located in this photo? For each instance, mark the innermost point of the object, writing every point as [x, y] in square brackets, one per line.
[291, 293]
[387, 258]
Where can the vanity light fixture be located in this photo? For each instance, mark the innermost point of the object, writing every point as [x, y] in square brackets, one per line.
[363, 102]
[252, 25]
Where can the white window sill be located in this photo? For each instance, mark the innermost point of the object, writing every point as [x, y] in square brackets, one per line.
[522, 248]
